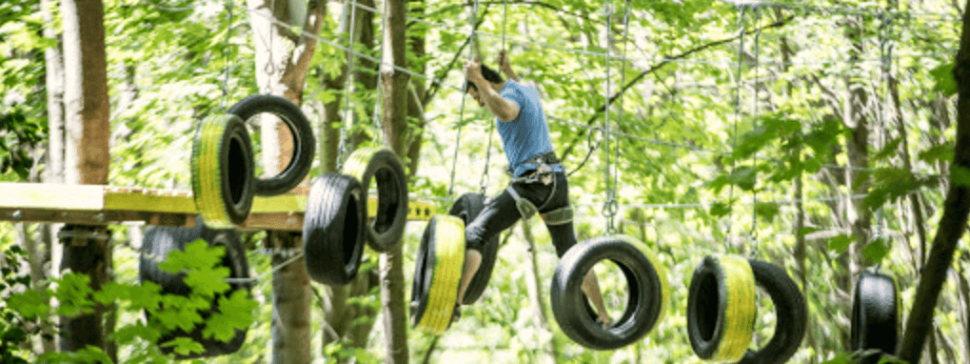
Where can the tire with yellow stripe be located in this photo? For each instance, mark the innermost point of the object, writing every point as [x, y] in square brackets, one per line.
[721, 308]
[648, 292]
[437, 274]
[222, 171]
[875, 315]
[467, 208]
[385, 168]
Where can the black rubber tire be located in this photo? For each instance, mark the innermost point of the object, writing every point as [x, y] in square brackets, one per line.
[304, 143]
[437, 274]
[467, 207]
[721, 308]
[158, 242]
[645, 306]
[333, 229]
[222, 171]
[875, 315]
[791, 315]
[391, 217]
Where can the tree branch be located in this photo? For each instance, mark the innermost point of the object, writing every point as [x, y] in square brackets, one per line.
[440, 74]
[667, 60]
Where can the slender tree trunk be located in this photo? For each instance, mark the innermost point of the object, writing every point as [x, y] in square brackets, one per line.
[395, 85]
[954, 220]
[857, 150]
[54, 169]
[86, 155]
[282, 72]
[534, 286]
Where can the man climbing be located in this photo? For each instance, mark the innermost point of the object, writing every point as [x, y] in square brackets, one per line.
[538, 178]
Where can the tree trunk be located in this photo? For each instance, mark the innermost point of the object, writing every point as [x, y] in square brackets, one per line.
[283, 72]
[533, 283]
[857, 149]
[955, 211]
[86, 156]
[395, 85]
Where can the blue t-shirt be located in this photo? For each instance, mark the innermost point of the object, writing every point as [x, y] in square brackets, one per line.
[527, 135]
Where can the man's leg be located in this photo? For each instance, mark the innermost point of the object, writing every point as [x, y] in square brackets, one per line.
[473, 260]
[497, 215]
[564, 237]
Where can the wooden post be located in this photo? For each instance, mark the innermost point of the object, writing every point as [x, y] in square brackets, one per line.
[87, 109]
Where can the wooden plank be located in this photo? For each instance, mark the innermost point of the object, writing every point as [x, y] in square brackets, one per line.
[102, 205]
[52, 196]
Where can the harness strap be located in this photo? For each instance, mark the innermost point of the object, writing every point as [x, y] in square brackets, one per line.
[526, 207]
[560, 216]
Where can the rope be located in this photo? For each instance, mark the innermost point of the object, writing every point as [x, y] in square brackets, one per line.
[609, 206]
[342, 150]
[461, 112]
[379, 105]
[225, 81]
[483, 183]
[619, 113]
[742, 26]
[754, 159]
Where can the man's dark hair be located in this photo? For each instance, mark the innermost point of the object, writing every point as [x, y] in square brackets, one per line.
[489, 74]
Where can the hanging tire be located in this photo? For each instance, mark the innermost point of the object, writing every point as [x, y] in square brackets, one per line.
[875, 315]
[467, 208]
[437, 274]
[721, 308]
[383, 166]
[159, 241]
[222, 171]
[647, 299]
[791, 315]
[304, 143]
[333, 229]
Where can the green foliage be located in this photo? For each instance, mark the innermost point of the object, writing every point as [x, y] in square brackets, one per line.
[945, 83]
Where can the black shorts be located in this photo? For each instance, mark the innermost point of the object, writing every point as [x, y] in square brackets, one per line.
[500, 213]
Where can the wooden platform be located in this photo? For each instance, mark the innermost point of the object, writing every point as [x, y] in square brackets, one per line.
[103, 205]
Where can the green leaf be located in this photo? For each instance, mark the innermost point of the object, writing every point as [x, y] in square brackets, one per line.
[197, 255]
[806, 230]
[184, 346]
[31, 303]
[876, 251]
[720, 209]
[235, 312]
[208, 282]
[942, 152]
[112, 292]
[945, 83]
[74, 295]
[840, 243]
[767, 211]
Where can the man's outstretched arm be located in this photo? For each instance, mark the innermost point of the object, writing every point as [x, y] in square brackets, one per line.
[506, 66]
[504, 109]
